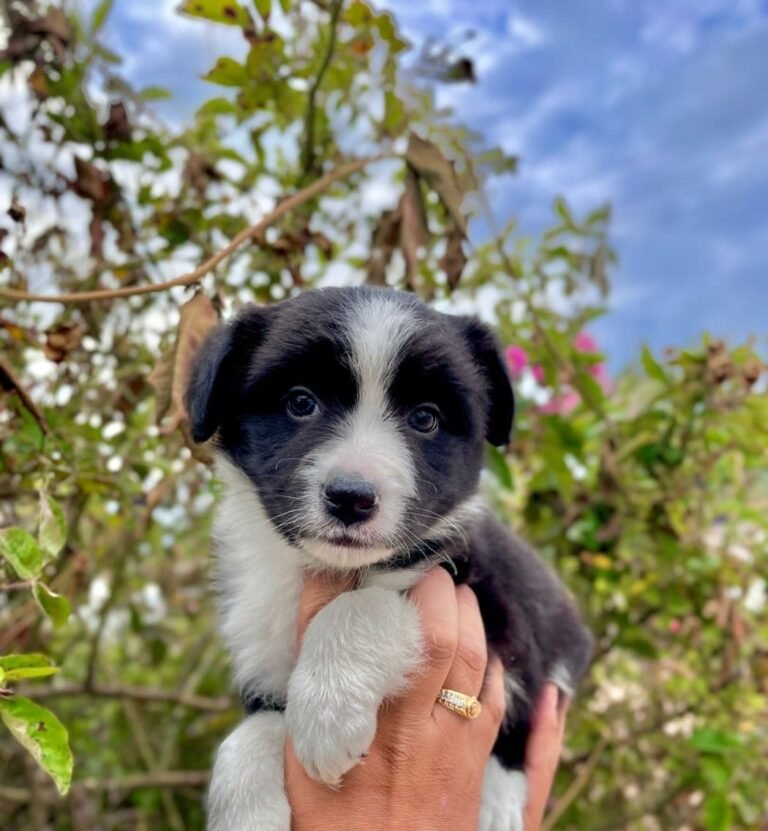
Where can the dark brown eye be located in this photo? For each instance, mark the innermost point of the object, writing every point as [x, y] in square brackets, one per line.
[300, 403]
[425, 419]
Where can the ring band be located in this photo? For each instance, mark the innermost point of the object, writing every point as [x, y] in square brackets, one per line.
[465, 705]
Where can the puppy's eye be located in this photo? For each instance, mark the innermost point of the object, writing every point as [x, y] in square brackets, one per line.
[425, 419]
[300, 403]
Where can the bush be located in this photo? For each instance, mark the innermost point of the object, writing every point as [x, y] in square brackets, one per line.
[647, 491]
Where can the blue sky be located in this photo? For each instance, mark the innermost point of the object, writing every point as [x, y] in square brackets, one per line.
[657, 107]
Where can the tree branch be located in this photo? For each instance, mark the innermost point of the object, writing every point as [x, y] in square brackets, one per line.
[579, 782]
[308, 150]
[194, 702]
[254, 232]
[131, 782]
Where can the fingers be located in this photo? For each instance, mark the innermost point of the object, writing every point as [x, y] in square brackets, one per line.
[543, 753]
[435, 598]
[493, 696]
[467, 670]
[319, 589]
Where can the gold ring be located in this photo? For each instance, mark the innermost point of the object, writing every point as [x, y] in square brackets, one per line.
[465, 705]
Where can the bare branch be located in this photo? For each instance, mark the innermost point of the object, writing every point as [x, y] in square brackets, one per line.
[194, 702]
[251, 233]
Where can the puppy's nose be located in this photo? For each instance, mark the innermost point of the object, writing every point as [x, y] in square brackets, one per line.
[350, 498]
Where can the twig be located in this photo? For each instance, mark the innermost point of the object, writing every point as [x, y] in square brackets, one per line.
[149, 694]
[580, 781]
[21, 584]
[131, 782]
[254, 232]
[308, 150]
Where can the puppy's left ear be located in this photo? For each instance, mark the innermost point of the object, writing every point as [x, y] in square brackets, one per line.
[489, 358]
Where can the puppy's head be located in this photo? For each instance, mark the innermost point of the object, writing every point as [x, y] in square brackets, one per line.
[359, 416]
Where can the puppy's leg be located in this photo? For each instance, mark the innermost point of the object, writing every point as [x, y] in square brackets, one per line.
[246, 791]
[357, 651]
[505, 793]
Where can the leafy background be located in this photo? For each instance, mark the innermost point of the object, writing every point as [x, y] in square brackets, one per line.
[647, 490]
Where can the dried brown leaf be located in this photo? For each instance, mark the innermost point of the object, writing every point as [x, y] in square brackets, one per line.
[414, 232]
[384, 240]
[454, 259]
[171, 373]
[93, 183]
[17, 212]
[62, 339]
[117, 126]
[438, 172]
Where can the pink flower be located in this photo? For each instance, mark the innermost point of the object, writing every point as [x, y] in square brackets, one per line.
[538, 373]
[561, 404]
[517, 358]
[584, 342]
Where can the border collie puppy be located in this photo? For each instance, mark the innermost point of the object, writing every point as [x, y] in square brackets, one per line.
[350, 426]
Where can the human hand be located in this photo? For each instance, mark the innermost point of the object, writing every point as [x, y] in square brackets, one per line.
[425, 766]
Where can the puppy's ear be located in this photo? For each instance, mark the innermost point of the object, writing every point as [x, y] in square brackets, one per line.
[489, 358]
[219, 368]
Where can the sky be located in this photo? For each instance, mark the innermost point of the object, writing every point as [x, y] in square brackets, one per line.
[657, 107]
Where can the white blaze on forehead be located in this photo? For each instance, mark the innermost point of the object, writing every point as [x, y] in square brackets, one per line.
[371, 441]
[379, 329]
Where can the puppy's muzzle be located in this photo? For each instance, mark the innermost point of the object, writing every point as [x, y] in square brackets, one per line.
[350, 498]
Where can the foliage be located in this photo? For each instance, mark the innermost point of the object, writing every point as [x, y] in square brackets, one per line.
[648, 492]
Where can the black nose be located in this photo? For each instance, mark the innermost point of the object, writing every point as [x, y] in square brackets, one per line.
[350, 498]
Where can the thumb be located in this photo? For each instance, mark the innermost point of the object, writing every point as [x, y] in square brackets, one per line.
[320, 588]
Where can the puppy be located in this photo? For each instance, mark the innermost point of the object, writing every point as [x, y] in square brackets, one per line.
[349, 431]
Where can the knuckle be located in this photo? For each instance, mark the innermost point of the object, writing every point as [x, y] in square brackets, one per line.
[440, 647]
[496, 706]
[472, 656]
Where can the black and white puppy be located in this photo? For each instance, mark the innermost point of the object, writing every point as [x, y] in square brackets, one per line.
[350, 426]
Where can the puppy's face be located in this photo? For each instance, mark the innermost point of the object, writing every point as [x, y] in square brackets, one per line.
[358, 415]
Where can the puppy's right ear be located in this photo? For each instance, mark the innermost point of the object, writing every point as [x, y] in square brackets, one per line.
[218, 368]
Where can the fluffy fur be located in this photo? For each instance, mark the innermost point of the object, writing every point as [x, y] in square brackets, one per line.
[349, 426]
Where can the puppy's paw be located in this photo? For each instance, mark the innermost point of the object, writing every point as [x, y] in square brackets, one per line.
[505, 793]
[356, 652]
[329, 736]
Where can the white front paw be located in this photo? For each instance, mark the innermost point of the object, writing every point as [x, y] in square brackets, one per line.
[330, 734]
[356, 652]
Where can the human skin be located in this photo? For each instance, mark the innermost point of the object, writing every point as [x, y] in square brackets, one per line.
[425, 767]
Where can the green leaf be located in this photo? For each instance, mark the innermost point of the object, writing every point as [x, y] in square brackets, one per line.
[590, 389]
[154, 93]
[718, 815]
[56, 606]
[218, 106]
[713, 740]
[33, 665]
[100, 15]
[42, 734]
[52, 533]
[219, 11]
[497, 462]
[32, 672]
[263, 7]
[21, 550]
[653, 369]
[227, 73]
